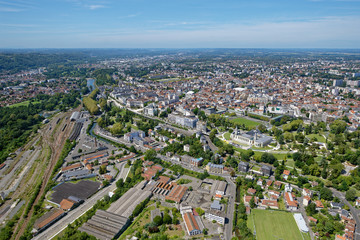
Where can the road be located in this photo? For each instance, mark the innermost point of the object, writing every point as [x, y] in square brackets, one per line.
[60, 225]
[231, 192]
[211, 144]
[303, 212]
[354, 212]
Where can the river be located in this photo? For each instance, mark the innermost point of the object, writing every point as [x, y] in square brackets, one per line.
[91, 84]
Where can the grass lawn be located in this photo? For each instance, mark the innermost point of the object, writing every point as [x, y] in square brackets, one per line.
[290, 163]
[138, 223]
[319, 137]
[261, 148]
[132, 126]
[279, 156]
[25, 103]
[274, 225]
[247, 122]
[227, 136]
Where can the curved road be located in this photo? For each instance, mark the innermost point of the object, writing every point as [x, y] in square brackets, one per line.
[354, 211]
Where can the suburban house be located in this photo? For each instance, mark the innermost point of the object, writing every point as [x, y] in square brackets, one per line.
[306, 201]
[291, 203]
[243, 166]
[286, 174]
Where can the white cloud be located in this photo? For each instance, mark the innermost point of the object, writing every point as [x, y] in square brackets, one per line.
[94, 7]
[329, 32]
[325, 32]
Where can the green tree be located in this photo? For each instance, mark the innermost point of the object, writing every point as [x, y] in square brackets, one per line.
[326, 194]
[350, 195]
[158, 220]
[200, 211]
[150, 155]
[311, 209]
[167, 219]
[252, 202]
[117, 129]
[102, 169]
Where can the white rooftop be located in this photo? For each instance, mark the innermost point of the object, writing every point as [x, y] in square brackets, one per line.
[301, 222]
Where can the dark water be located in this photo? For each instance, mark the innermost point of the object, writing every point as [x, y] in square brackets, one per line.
[91, 84]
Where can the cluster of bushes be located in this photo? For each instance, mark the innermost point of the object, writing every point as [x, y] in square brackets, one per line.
[91, 105]
[240, 223]
[263, 118]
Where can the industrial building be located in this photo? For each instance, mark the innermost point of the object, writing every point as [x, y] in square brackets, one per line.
[105, 225]
[177, 193]
[47, 219]
[125, 205]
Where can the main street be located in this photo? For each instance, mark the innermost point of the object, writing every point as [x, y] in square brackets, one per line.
[60, 225]
[231, 192]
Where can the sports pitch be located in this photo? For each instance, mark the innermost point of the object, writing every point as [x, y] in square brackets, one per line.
[275, 225]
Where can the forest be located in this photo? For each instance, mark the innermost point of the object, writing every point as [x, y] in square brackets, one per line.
[15, 62]
[17, 123]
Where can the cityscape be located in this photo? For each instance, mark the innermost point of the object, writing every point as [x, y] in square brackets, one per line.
[134, 120]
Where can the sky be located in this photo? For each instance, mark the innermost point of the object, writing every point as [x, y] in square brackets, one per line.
[179, 23]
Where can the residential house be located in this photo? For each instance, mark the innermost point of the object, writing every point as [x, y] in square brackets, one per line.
[319, 205]
[187, 148]
[243, 167]
[266, 170]
[251, 191]
[265, 203]
[307, 192]
[286, 174]
[277, 184]
[290, 202]
[306, 201]
[196, 161]
[247, 200]
[214, 168]
[335, 205]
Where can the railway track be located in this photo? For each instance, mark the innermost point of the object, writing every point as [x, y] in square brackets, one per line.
[56, 147]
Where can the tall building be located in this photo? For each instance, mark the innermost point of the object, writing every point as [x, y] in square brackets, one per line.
[338, 82]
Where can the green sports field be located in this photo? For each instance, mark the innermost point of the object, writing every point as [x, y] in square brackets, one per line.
[247, 122]
[275, 225]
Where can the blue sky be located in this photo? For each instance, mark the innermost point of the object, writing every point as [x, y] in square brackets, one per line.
[179, 24]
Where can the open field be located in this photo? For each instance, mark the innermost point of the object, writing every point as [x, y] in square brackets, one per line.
[227, 136]
[319, 137]
[247, 122]
[274, 225]
[279, 156]
[25, 103]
